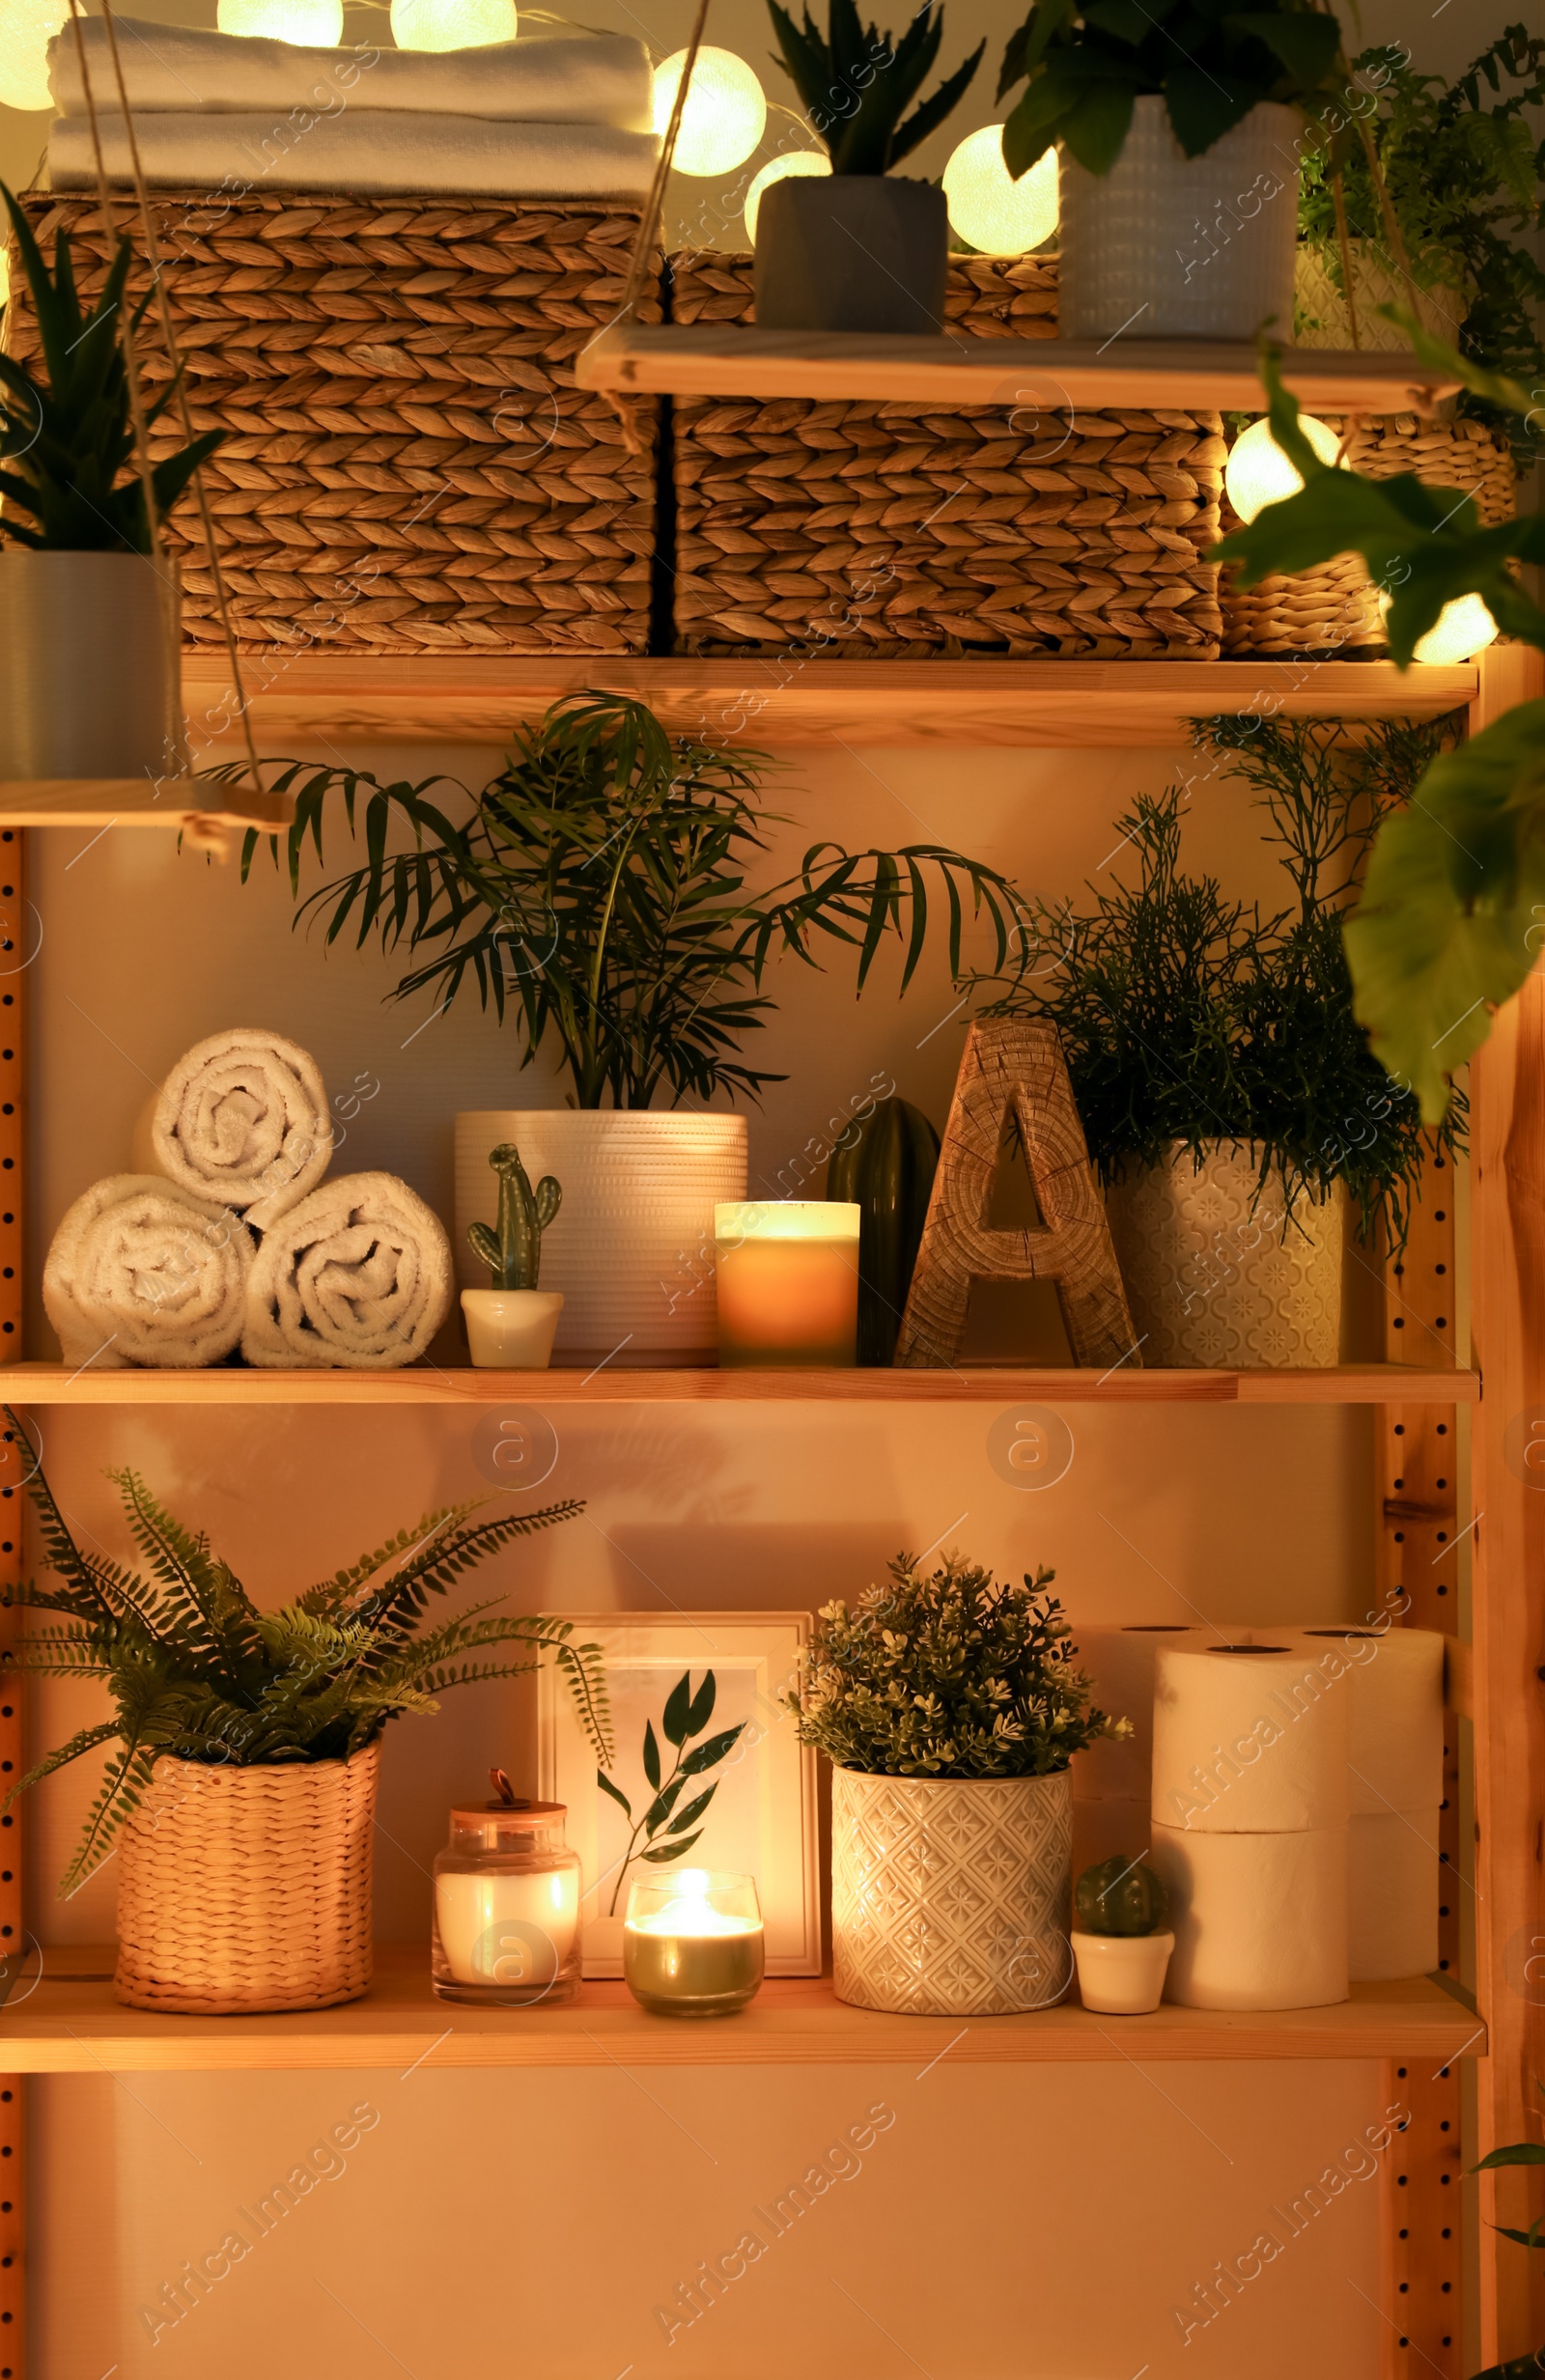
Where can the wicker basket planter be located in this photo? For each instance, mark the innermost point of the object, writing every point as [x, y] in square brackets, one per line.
[865, 529]
[411, 465]
[243, 1888]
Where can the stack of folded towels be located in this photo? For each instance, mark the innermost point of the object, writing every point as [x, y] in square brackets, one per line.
[231, 1239]
[555, 118]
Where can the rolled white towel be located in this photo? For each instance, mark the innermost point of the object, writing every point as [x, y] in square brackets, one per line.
[243, 1119]
[365, 154]
[358, 1274]
[177, 69]
[142, 1272]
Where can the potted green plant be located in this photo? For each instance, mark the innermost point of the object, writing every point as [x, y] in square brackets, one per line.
[1228, 1093]
[861, 249]
[1121, 1942]
[512, 1324]
[949, 1707]
[89, 624]
[599, 893]
[1179, 126]
[240, 1795]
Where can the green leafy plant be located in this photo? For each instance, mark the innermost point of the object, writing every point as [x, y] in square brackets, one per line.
[1086, 61]
[68, 442]
[196, 1670]
[600, 888]
[1462, 174]
[947, 1673]
[1189, 1015]
[664, 1831]
[1449, 921]
[1120, 1896]
[857, 86]
[513, 1249]
[1525, 2153]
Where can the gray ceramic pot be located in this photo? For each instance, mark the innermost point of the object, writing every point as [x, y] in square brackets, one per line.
[852, 252]
[85, 665]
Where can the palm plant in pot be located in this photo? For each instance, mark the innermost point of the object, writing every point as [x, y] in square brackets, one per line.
[862, 249]
[598, 891]
[240, 1795]
[88, 620]
[951, 1707]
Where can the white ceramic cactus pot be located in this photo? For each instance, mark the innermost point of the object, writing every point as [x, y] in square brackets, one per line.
[1122, 1975]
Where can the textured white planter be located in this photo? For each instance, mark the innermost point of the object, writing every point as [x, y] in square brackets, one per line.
[511, 1329]
[951, 1897]
[1167, 246]
[632, 1247]
[1122, 1975]
[85, 665]
[1373, 286]
[1210, 1284]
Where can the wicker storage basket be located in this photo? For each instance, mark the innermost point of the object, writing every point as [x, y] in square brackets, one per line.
[865, 529]
[248, 1888]
[1333, 610]
[409, 462]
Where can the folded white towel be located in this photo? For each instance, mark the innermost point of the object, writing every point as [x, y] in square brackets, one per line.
[140, 1272]
[364, 152]
[243, 1119]
[359, 1274]
[591, 79]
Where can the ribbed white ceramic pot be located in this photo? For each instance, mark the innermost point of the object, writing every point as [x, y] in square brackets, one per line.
[1167, 246]
[632, 1247]
[1211, 1283]
[951, 1897]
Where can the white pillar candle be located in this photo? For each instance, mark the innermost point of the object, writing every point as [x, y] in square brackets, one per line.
[788, 1282]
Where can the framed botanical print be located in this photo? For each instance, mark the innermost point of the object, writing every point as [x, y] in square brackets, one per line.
[706, 1771]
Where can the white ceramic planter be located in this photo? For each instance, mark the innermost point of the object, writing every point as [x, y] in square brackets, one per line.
[1211, 1284]
[632, 1247]
[85, 665]
[1167, 246]
[1121, 1974]
[951, 1897]
[1373, 286]
[511, 1329]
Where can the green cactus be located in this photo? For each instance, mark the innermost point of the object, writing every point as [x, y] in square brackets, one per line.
[513, 1252]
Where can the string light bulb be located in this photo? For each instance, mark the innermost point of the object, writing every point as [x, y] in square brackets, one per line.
[1462, 628]
[452, 24]
[311, 24]
[725, 113]
[997, 215]
[793, 163]
[1258, 473]
[26, 29]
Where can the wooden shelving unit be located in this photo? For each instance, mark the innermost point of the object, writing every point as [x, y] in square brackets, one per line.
[71, 2024]
[171, 803]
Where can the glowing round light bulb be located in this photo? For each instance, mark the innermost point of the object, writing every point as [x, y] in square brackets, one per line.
[452, 24]
[312, 24]
[1258, 473]
[724, 117]
[26, 28]
[989, 207]
[1462, 628]
[796, 164]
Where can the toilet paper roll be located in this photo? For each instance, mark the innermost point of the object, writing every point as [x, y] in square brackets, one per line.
[1394, 1718]
[1259, 1920]
[1106, 1831]
[1247, 1740]
[1120, 1662]
[1393, 1881]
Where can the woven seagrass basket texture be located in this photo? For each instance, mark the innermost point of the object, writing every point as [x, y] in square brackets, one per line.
[867, 529]
[1334, 609]
[409, 465]
[248, 1888]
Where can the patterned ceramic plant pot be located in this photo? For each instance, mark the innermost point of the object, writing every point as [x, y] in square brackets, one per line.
[1212, 1283]
[951, 1897]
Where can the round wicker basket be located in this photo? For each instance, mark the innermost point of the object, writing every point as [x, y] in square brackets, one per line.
[243, 1888]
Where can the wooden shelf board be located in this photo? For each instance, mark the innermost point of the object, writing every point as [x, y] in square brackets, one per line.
[1359, 1384]
[71, 2024]
[137, 801]
[720, 360]
[794, 699]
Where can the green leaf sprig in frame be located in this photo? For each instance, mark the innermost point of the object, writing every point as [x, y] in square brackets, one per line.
[668, 1828]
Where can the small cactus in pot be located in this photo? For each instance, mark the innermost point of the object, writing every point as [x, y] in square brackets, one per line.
[511, 1248]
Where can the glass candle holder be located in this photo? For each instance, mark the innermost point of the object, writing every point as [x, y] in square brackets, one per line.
[507, 1908]
[787, 1282]
[693, 1944]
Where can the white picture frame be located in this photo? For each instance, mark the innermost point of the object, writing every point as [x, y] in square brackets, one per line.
[762, 1818]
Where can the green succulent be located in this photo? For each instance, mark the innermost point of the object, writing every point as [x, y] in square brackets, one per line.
[513, 1249]
[857, 86]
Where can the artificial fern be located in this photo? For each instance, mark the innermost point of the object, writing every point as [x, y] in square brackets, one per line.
[197, 1671]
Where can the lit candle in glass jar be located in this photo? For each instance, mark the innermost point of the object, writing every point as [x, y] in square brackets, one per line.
[788, 1282]
[694, 1945]
[507, 1908]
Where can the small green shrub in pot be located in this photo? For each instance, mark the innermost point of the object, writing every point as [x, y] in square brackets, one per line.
[951, 1706]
